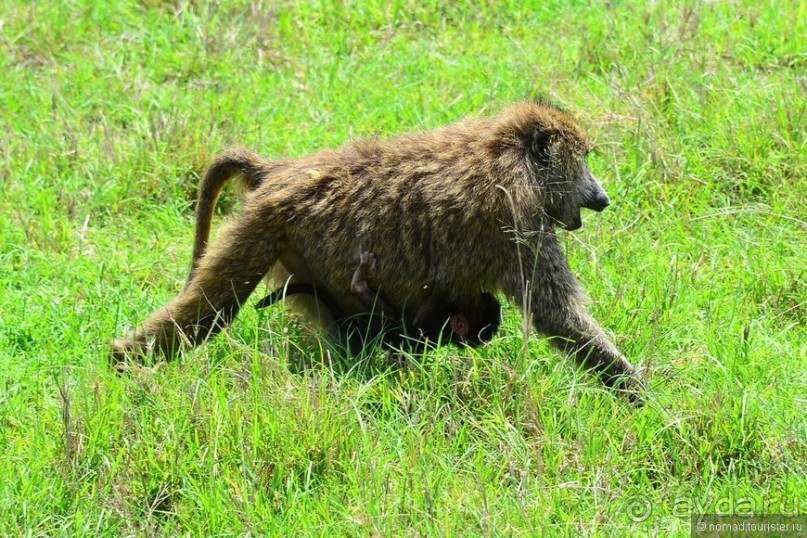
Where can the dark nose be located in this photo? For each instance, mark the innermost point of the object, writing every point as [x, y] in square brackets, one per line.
[598, 201]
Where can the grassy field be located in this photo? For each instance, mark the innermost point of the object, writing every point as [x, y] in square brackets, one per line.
[109, 112]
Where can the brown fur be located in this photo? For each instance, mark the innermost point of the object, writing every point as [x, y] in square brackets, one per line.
[450, 213]
[435, 320]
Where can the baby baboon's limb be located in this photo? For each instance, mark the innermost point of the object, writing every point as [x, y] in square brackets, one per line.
[359, 286]
[351, 331]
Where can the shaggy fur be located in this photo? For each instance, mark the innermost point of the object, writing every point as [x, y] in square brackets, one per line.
[452, 213]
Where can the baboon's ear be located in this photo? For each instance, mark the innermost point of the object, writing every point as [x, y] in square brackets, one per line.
[539, 147]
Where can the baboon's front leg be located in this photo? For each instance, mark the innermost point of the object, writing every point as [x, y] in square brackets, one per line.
[558, 310]
[230, 270]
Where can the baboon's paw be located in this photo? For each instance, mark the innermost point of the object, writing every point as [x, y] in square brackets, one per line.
[367, 265]
[127, 350]
[633, 388]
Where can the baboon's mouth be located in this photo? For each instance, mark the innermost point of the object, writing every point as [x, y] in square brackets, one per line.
[597, 202]
[561, 219]
[569, 226]
[575, 224]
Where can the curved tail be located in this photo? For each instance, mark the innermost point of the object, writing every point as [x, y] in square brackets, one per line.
[249, 166]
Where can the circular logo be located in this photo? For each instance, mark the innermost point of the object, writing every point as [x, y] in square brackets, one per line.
[638, 508]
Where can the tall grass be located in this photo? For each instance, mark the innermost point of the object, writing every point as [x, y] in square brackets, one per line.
[110, 111]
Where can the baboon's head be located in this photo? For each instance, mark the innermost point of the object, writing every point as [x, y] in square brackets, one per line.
[568, 183]
[554, 151]
[557, 155]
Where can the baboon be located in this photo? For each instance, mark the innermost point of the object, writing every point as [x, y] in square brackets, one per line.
[435, 321]
[469, 208]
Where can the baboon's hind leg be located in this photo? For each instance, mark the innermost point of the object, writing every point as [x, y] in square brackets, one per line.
[227, 274]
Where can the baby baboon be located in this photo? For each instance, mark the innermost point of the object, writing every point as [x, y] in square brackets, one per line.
[435, 320]
[471, 323]
[454, 212]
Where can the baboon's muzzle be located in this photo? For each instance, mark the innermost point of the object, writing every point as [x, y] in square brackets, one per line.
[594, 195]
[598, 202]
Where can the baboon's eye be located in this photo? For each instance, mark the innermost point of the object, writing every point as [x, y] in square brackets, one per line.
[539, 149]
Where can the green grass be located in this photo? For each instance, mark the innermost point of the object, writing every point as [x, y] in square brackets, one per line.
[110, 111]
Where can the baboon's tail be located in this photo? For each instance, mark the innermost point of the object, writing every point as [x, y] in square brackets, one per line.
[242, 162]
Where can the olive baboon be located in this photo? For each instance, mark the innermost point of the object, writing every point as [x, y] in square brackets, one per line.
[469, 208]
[435, 321]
